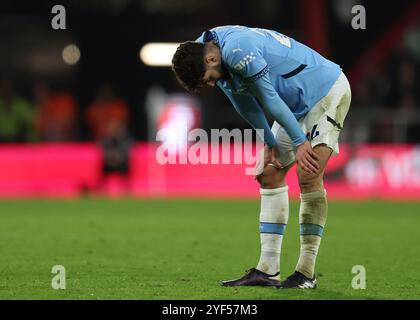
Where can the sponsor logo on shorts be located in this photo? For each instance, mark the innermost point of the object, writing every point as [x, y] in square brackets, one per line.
[313, 134]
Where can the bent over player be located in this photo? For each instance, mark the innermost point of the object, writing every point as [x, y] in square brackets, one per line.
[308, 96]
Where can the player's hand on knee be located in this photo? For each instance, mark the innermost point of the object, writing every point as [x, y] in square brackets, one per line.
[268, 179]
[271, 155]
[307, 158]
[268, 157]
[275, 155]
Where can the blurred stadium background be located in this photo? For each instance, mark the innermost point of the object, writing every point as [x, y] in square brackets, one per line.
[80, 108]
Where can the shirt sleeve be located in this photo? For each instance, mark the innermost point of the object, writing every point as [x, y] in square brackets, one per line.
[245, 57]
[262, 88]
[250, 110]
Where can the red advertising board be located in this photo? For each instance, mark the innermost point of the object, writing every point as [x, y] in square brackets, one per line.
[68, 170]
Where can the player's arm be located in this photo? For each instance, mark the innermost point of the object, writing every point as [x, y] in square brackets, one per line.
[249, 109]
[262, 88]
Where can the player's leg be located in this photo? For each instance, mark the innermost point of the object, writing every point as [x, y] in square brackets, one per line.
[312, 213]
[312, 218]
[274, 214]
[326, 121]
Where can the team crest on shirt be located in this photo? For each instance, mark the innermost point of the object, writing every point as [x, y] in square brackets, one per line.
[245, 61]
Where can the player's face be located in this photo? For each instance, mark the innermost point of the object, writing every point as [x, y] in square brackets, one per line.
[211, 76]
[215, 69]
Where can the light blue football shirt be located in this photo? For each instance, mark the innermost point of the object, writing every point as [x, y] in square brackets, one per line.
[272, 71]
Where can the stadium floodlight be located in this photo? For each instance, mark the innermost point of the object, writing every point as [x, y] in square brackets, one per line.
[71, 54]
[158, 54]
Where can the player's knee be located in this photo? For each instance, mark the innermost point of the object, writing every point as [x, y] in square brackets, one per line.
[271, 178]
[309, 182]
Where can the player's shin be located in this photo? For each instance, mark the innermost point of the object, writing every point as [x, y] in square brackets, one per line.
[312, 217]
[273, 219]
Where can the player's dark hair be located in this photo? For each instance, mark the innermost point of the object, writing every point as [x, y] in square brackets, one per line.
[188, 65]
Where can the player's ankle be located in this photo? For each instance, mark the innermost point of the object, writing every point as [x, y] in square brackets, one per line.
[306, 273]
[273, 273]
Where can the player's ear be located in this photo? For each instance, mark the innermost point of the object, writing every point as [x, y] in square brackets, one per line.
[210, 59]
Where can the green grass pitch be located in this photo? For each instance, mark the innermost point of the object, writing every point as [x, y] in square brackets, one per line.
[181, 249]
